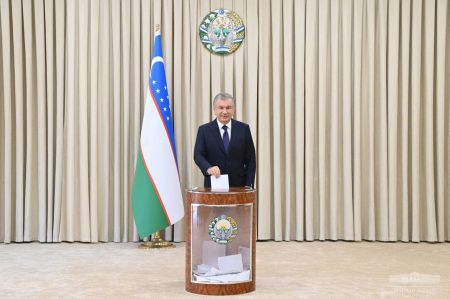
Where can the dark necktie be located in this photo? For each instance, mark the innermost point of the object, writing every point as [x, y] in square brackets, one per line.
[226, 138]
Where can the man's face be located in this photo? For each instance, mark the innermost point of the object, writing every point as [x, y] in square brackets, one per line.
[224, 110]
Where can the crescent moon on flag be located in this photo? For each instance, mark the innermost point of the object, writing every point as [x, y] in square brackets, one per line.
[156, 60]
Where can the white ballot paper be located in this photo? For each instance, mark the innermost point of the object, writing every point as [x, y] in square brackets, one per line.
[220, 184]
[230, 263]
[227, 278]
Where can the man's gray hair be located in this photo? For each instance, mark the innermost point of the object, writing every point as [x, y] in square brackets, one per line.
[223, 96]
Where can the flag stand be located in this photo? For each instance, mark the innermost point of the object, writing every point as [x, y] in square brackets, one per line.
[156, 242]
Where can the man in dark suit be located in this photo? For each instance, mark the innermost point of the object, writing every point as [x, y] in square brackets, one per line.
[225, 146]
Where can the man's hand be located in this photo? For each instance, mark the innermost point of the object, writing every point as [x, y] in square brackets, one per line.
[215, 171]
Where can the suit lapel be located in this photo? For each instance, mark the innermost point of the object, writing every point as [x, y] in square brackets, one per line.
[234, 134]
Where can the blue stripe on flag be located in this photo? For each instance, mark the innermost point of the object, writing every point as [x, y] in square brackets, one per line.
[158, 87]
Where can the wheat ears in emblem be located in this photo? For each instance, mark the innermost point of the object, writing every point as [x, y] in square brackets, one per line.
[223, 229]
[222, 31]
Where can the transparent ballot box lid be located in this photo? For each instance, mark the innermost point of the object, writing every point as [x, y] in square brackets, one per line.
[221, 243]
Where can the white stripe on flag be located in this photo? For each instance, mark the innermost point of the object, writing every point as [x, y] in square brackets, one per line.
[158, 156]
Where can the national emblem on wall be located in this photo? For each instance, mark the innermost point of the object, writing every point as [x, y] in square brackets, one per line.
[222, 31]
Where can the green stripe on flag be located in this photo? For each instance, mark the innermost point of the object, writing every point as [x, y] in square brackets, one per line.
[148, 214]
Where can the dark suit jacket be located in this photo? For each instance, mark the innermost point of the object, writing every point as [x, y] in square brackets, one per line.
[239, 163]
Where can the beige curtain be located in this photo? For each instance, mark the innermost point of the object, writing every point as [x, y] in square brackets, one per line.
[348, 102]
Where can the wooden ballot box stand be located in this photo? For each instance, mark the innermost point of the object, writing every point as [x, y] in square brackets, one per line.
[220, 241]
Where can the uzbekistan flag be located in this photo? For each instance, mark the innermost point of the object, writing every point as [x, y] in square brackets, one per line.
[157, 199]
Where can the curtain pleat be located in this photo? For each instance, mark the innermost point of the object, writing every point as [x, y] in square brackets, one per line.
[264, 155]
[347, 132]
[40, 98]
[93, 93]
[287, 85]
[49, 107]
[429, 103]
[404, 96]
[136, 94]
[324, 72]
[393, 112]
[30, 215]
[358, 9]
[335, 199]
[58, 116]
[19, 108]
[2, 149]
[70, 207]
[442, 101]
[7, 130]
[83, 38]
[277, 130]
[416, 167]
[348, 104]
[299, 127]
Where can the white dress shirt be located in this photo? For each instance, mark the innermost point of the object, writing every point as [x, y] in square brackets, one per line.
[222, 130]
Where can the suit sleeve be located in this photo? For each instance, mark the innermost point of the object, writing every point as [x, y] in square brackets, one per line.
[250, 159]
[200, 152]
